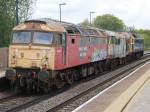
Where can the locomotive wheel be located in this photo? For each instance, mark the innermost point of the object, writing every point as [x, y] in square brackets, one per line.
[100, 68]
[28, 85]
[69, 78]
[59, 82]
[16, 89]
[28, 90]
[76, 77]
[45, 90]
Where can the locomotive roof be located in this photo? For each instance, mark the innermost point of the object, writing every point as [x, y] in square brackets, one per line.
[57, 26]
[47, 24]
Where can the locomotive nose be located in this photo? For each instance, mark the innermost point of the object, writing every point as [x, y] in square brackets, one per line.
[36, 57]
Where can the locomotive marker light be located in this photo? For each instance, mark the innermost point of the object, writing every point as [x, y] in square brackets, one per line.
[60, 9]
[91, 17]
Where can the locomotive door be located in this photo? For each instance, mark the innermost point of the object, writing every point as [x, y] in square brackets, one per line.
[114, 48]
[72, 50]
[64, 46]
[111, 46]
[122, 47]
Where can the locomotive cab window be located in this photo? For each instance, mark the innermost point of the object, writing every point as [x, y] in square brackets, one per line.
[70, 31]
[113, 40]
[59, 39]
[42, 38]
[21, 37]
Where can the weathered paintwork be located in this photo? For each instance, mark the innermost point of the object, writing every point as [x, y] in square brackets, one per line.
[79, 48]
[78, 55]
[57, 53]
[121, 46]
[25, 56]
[53, 27]
[130, 42]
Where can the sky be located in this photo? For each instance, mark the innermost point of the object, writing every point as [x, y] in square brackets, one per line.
[132, 12]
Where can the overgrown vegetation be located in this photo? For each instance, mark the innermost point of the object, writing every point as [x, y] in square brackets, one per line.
[146, 35]
[8, 17]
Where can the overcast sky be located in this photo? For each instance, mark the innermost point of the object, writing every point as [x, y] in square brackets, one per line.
[132, 12]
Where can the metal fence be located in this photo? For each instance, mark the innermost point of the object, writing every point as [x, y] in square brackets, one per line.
[3, 57]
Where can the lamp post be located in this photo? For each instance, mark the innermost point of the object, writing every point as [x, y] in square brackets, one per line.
[91, 17]
[60, 9]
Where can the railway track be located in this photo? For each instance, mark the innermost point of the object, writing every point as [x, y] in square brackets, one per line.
[71, 97]
[6, 95]
[79, 99]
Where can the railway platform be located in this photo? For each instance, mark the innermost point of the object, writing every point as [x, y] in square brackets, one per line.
[130, 94]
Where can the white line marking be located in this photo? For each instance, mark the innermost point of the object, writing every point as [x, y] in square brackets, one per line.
[78, 108]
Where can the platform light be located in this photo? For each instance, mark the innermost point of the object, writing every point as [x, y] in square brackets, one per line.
[91, 17]
[60, 9]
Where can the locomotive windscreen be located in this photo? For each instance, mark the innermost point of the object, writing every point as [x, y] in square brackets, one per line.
[37, 37]
[42, 38]
[21, 37]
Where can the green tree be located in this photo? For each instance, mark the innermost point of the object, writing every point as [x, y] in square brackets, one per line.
[109, 22]
[8, 17]
[6, 21]
[146, 35]
[85, 23]
[25, 9]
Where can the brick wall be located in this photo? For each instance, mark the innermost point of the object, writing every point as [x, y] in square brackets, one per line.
[3, 57]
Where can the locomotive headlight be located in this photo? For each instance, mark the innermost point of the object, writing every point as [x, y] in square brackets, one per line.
[15, 52]
[45, 54]
[44, 61]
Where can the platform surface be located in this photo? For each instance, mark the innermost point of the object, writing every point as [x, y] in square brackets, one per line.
[116, 97]
[141, 101]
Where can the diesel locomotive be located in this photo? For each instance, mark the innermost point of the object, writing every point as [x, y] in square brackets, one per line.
[48, 53]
